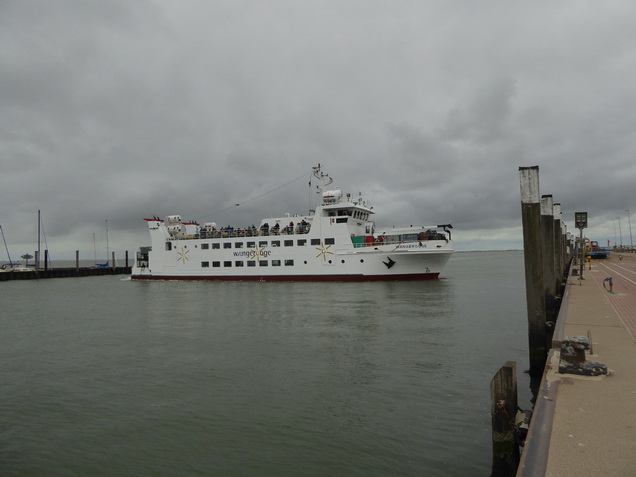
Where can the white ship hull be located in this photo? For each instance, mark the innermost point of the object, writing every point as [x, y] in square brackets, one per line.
[336, 243]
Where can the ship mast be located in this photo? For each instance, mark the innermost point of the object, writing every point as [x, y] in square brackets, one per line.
[323, 180]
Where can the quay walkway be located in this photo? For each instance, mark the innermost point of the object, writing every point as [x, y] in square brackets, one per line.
[586, 426]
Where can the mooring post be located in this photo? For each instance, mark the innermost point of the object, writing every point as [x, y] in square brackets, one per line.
[549, 247]
[569, 249]
[126, 258]
[113, 262]
[559, 250]
[533, 264]
[46, 259]
[503, 410]
[77, 261]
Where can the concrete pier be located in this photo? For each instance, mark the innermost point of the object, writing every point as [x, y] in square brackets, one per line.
[64, 273]
[586, 425]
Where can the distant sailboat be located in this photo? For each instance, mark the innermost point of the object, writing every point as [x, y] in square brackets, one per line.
[11, 266]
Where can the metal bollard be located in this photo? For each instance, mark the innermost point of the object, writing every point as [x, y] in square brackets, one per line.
[573, 360]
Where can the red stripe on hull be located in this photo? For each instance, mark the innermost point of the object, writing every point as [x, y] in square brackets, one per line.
[301, 278]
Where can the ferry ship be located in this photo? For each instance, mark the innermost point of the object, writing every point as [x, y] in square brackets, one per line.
[336, 242]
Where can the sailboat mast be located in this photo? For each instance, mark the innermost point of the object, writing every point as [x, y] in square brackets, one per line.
[37, 260]
[107, 248]
[5, 244]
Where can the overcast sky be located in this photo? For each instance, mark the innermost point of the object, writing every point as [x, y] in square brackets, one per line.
[116, 110]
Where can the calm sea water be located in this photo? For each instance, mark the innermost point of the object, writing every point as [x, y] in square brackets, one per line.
[105, 376]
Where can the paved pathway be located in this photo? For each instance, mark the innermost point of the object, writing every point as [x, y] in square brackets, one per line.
[586, 426]
[623, 298]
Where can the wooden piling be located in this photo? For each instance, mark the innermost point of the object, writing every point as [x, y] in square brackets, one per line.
[533, 263]
[560, 241]
[503, 409]
[549, 246]
[77, 260]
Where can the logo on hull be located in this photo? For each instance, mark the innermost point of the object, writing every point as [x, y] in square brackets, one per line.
[182, 255]
[323, 251]
[390, 262]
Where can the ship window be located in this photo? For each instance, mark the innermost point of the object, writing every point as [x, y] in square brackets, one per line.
[227, 263]
[330, 241]
[342, 220]
[227, 245]
[216, 245]
[238, 245]
[251, 263]
[289, 263]
[275, 263]
[205, 246]
[289, 243]
[205, 264]
[251, 244]
[315, 241]
[168, 245]
[262, 263]
[216, 264]
[262, 243]
[301, 242]
[275, 243]
[238, 263]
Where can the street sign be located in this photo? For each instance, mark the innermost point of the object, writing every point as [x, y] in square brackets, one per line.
[580, 218]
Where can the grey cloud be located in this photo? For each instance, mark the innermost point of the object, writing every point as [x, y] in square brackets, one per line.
[119, 110]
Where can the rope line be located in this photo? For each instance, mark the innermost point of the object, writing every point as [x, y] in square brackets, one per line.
[253, 198]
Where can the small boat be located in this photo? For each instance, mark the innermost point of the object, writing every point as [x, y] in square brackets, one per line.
[14, 267]
[338, 241]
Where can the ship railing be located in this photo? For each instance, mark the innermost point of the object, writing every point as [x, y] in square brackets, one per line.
[244, 233]
[362, 241]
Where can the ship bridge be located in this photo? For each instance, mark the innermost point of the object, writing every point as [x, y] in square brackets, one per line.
[335, 205]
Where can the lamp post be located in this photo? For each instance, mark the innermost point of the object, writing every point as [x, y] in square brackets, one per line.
[614, 234]
[631, 242]
[620, 232]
